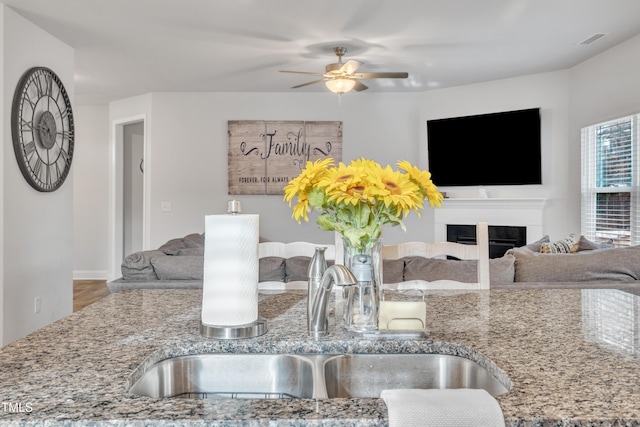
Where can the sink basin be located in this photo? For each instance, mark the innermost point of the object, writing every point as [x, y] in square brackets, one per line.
[255, 376]
[366, 375]
[319, 376]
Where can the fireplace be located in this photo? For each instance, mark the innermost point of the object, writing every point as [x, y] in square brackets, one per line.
[501, 237]
[523, 213]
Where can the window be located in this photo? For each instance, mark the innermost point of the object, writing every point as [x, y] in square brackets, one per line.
[611, 181]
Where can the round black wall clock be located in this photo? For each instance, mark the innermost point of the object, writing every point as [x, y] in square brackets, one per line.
[42, 129]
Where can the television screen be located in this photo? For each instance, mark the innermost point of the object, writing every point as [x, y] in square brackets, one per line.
[487, 149]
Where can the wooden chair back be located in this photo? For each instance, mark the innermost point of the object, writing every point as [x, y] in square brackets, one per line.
[478, 252]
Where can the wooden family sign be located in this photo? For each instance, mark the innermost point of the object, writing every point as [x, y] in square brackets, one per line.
[265, 155]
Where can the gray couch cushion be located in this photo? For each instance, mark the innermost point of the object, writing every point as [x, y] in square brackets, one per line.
[392, 270]
[137, 266]
[172, 246]
[297, 268]
[191, 252]
[191, 267]
[194, 240]
[170, 267]
[272, 269]
[430, 269]
[619, 264]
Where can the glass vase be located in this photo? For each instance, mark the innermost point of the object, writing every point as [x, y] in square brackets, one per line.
[363, 299]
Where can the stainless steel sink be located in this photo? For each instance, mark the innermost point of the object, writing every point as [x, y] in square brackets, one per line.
[366, 375]
[256, 376]
[319, 376]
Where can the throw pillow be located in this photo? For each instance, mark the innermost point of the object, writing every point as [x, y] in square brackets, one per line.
[563, 246]
[587, 245]
[535, 246]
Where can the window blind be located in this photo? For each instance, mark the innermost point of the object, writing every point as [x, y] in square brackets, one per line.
[611, 318]
[611, 181]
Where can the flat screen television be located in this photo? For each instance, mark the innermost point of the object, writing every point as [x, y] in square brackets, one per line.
[487, 149]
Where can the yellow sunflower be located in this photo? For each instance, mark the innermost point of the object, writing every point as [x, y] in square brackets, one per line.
[400, 191]
[301, 208]
[307, 178]
[304, 183]
[344, 184]
[366, 164]
[423, 179]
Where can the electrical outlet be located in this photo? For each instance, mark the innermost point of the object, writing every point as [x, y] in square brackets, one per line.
[37, 303]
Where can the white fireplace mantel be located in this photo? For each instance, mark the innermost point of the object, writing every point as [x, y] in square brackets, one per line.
[527, 213]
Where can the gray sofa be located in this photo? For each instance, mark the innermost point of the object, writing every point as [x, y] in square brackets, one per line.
[179, 264]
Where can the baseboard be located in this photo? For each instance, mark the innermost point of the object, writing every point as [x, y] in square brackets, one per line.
[90, 275]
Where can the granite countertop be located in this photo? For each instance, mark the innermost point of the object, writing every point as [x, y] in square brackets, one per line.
[570, 355]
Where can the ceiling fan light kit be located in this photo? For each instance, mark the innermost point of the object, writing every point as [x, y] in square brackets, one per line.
[341, 77]
[340, 85]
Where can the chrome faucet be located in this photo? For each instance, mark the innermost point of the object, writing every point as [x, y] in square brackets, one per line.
[338, 275]
[317, 267]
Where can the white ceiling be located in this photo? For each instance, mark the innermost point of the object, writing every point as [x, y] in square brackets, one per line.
[131, 47]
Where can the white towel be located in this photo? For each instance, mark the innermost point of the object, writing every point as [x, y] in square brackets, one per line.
[442, 408]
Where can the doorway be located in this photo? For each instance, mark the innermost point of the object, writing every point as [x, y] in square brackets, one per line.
[128, 192]
[132, 187]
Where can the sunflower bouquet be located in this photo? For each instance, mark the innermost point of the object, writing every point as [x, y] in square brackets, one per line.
[357, 199]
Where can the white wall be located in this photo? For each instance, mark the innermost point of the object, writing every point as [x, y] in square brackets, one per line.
[605, 87]
[37, 227]
[90, 183]
[549, 92]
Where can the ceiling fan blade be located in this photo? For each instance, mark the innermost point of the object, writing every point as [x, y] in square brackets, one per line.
[302, 72]
[350, 66]
[360, 86]
[308, 83]
[381, 75]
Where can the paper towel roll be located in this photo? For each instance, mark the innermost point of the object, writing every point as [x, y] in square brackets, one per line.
[230, 277]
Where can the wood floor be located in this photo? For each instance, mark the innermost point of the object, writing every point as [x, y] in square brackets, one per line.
[87, 292]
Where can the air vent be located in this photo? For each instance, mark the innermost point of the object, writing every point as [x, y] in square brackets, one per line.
[593, 38]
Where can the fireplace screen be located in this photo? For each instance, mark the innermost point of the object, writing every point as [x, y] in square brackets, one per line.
[501, 237]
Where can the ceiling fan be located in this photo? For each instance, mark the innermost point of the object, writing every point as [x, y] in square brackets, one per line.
[341, 77]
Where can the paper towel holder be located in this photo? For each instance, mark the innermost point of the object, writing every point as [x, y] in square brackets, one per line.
[250, 330]
[234, 207]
